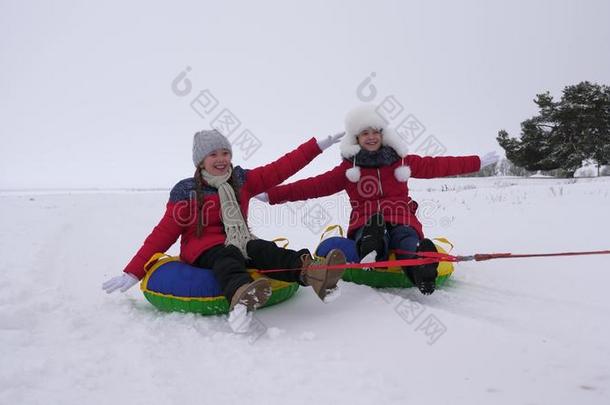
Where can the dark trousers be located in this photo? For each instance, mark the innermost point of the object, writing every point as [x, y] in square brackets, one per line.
[229, 265]
[402, 237]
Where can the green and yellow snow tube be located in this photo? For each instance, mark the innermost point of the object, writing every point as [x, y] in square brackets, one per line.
[172, 285]
[392, 277]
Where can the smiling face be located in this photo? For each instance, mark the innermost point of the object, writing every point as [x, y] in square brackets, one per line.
[218, 162]
[370, 139]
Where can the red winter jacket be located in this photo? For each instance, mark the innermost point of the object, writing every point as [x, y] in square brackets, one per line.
[180, 219]
[378, 190]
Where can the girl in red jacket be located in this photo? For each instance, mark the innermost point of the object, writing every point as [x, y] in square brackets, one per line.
[209, 213]
[374, 172]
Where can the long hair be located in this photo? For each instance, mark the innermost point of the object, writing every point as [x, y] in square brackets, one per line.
[200, 184]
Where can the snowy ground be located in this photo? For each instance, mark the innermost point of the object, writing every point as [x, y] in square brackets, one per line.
[523, 331]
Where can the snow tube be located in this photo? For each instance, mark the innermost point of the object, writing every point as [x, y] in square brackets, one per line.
[392, 277]
[172, 285]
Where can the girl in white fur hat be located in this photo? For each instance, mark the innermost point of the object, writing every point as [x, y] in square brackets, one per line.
[374, 172]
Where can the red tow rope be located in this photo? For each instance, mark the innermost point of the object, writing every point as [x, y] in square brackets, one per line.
[436, 257]
[478, 257]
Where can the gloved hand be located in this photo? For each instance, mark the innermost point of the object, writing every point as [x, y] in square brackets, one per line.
[264, 197]
[329, 141]
[123, 282]
[489, 159]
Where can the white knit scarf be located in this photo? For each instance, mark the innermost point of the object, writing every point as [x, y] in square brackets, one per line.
[235, 225]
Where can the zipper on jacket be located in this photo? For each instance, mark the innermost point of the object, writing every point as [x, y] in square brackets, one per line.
[380, 191]
[379, 179]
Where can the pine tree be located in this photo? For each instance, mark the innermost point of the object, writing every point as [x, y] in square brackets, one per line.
[564, 133]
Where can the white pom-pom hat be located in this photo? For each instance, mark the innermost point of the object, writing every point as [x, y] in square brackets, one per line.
[365, 117]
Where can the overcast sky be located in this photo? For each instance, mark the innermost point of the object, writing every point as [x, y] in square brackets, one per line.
[86, 95]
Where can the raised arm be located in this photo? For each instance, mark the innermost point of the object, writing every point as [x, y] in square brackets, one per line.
[265, 177]
[429, 167]
[321, 185]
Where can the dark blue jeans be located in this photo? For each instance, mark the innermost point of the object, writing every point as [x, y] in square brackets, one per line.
[402, 237]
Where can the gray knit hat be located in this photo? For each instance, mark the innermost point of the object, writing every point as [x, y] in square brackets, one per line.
[206, 142]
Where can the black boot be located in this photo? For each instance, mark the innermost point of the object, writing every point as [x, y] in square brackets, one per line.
[424, 276]
[372, 236]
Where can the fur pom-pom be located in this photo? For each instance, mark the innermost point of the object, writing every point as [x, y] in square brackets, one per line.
[353, 174]
[402, 173]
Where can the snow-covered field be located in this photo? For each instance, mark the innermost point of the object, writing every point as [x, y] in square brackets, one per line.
[520, 331]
